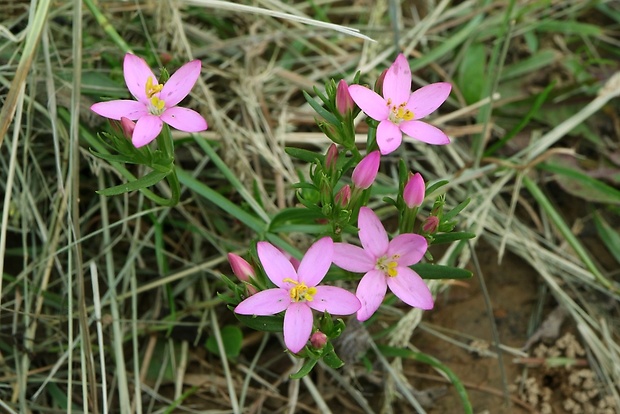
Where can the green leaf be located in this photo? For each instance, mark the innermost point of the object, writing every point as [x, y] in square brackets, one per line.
[305, 369]
[114, 157]
[532, 64]
[432, 188]
[332, 360]
[389, 351]
[148, 180]
[582, 185]
[303, 154]
[471, 74]
[232, 337]
[456, 210]
[434, 271]
[262, 323]
[324, 113]
[608, 235]
[451, 237]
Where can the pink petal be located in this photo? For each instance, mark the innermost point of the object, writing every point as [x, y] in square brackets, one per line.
[424, 132]
[120, 108]
[184, 119]
[372, 234]
[297, 326]
[397, 83]
[370, 102]
[276, 265]
[180, 83]
[334, 300]
[265, 302]
[389, 136]
[409, 247]
[316, 262]
[428, 98]
[410, 288]
[353, 258]
[136, 73]
[370, 292]
[146, 130]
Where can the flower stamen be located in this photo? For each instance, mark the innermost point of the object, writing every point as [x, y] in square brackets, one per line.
[152, 88]
[400, 113]
[389, 268]
[300, 292]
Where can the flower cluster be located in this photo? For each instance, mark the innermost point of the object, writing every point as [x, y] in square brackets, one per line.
[379, 262]
[353, 243]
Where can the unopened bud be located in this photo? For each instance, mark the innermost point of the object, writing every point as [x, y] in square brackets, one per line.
[414, 191]
[344, 102]
[127, 125]
[366, 171]
[343, 196]
[331, 158]
[240, 267]
[379, 83]
[318, 340]
[431, 224]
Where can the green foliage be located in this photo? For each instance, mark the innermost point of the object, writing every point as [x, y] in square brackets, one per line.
[232, 337]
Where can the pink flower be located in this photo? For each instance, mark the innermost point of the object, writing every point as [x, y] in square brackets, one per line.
[385, 264]
[155, 103]
[365, 172]
[297, 291]
[399, 110]
[344, 103]
[414, 191]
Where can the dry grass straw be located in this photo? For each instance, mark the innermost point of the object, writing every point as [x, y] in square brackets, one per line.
[98, 343]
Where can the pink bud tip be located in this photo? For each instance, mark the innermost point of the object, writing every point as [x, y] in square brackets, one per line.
[318, 340]
[414, 191]
[431, 224]
[366, 171]
[127, 126]
[331, 157]
[343, 196]
[344, 102]
[379, 82]
[240, 267]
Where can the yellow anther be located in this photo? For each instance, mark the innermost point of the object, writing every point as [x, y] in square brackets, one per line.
[391, 269]
[157, 104]
[388, 267]
[400, 113]
[301, 292]
[151, 88]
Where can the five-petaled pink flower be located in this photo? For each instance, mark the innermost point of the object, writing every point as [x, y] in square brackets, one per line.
[155, 103]
[297, 291]
[399, 110]
[385, 264]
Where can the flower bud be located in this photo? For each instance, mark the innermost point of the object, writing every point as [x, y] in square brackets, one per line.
[366, 171]
[331, 158]
[431, 224]
[344, 102]
[127, 125]
[318, 340]
[414, 191]
[379, 83]
[343, 196]
[240, 267]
